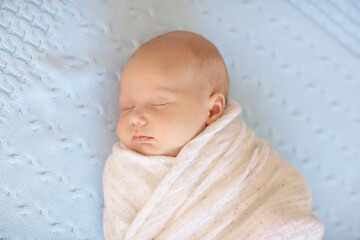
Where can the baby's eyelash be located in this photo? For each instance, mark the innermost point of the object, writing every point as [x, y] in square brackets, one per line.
[159, 104]
[151, 104]
[127, 108]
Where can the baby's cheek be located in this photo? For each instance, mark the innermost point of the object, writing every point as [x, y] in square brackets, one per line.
[120, 129]
[177, 130]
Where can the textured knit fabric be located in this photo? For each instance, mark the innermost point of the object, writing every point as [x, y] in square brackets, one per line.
[226, 183]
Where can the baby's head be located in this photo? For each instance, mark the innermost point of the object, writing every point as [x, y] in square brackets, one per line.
[172, 87]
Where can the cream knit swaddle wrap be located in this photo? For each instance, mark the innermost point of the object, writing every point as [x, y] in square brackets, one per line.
[224, 184]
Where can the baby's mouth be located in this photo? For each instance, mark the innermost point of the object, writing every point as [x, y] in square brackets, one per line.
[141, 139]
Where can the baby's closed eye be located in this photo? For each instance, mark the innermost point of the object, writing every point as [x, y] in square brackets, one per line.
[125, 107]
[156, 105]
[159, 104]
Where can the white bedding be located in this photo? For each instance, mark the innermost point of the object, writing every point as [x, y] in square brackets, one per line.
[224, 184]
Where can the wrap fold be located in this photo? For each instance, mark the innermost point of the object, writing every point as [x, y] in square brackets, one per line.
[226, 183]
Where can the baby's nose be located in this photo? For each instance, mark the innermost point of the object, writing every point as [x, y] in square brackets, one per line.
[136, 118]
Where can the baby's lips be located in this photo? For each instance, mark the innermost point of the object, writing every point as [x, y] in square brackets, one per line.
[141, 139]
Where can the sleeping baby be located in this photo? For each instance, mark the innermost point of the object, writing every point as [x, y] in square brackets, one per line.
[186, 166]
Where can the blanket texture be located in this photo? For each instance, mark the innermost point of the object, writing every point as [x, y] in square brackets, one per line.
[226, 183]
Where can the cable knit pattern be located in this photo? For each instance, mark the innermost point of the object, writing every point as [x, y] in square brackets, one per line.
[226, 183]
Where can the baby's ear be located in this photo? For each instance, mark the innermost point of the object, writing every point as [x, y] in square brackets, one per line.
[216, 107]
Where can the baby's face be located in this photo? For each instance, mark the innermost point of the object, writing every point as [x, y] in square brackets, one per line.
[162, 108]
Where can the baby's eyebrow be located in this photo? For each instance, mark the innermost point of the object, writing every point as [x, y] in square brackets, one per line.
[162, 89]
[158, 91]
[162, 95]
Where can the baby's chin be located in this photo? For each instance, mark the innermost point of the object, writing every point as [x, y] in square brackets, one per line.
[148, 149]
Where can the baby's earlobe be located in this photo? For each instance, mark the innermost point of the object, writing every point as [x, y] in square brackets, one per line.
[215, 110]
[217, 101]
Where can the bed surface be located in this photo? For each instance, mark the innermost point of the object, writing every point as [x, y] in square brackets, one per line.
[294, 68]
